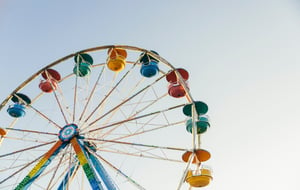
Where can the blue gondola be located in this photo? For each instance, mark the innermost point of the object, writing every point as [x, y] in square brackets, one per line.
[18, 108]
[149, 66]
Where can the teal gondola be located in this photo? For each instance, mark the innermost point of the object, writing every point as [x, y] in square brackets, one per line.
[202, 124]
[83, 64]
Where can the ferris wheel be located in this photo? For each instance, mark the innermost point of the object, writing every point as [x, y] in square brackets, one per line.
[104, 118]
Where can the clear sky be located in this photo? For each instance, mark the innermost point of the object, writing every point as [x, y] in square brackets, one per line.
[243, 58]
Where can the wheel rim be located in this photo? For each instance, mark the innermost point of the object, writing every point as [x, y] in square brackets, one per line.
[120, 116]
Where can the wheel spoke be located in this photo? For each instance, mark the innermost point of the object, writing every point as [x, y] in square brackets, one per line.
[26, 149]
[32, 131]
[124, 101]
[132, 116]
[120, 172]
[131, 119]
[21, 169]
[75, 94]
[41, 165]
[140, 155]
[137, 144]
[109, 93]
[56, 169]
[60, 107]
[91, 94]
[69, 176]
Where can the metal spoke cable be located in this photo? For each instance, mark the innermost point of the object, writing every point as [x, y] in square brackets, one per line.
[124, 101]
[32, 131]
[91, 94]
[137, 144]
[140, 155]
[108, 94]
[26, 149]
[134, 118]
[132, 181]
[24, 139]
[57, 167]
[146, 131]
[21, 169]
[75, 94]
[60, 107]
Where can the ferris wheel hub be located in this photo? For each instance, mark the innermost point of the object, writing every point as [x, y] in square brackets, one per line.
[68, 132]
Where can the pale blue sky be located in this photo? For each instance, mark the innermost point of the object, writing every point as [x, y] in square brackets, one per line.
[243, 58]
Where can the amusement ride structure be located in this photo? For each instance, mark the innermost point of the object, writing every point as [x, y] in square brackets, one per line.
[86, 119]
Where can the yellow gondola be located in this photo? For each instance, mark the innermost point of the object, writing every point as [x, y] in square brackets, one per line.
[199, 178]
[116, 59]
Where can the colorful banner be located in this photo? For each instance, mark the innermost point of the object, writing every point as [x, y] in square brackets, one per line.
[103, 174]
[84, 162]
[40, 166]
[64, 184]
